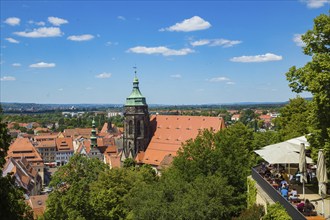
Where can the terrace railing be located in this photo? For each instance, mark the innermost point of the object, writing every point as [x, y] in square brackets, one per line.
[276, 196]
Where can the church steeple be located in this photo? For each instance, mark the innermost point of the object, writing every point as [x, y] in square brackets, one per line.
[136, 122]
[93, 135]
[135, 98]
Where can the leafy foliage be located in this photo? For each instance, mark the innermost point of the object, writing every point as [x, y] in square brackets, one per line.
[314, 77]
[293, 120]
[252, 193]
[252, 213]
[71, 196]
[276, 212]
[206, 180]
[87, 189]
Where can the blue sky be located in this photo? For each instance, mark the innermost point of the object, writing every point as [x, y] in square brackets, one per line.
[187, 52]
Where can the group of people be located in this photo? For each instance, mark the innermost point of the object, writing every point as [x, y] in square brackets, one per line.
[307, 208]
[279, 179]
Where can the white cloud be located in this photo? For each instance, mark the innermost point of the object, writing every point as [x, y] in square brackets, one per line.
[297, 39]
[41, 32]
[218, 79]
[160, 50]
[316, 3]
[258, 58]
[216, 42]
[195, 23]
[84, 37]
[7, 78]
[177, 76]
[42, 65]
[16, 64]
[121, 18]
[109, 43]
[60, 89]
[230, 83]
[12, 40]
[57, 21]
[40, 23]
[13, 21]
[103, 75]
[200, 43]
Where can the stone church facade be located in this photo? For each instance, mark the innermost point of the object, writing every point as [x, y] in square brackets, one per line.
[136, 123]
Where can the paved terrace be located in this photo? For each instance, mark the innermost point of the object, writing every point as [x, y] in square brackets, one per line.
[271, 192]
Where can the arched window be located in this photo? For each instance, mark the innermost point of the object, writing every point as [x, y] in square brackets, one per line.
[138, 128]
[141, 128]
[130, 127]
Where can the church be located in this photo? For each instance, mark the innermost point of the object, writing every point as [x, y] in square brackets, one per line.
[155, 139]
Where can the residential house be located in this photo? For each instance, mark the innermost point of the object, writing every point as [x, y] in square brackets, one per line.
[24, 174]
[64, 150]
[47, 150]
[22, 147]
[235, 117]
[37, 204]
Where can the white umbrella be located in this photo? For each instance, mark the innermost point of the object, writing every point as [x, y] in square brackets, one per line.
[302, 167]
[321, 175]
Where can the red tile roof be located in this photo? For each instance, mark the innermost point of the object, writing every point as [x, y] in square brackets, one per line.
[38, 204]
[44, 144]
[64, 144]
[22, 147]
[172, 131]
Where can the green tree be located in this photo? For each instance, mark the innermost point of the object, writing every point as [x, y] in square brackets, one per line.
[293, 119]
[206, 180]
[12, 203]
[247, 116]
[276, 212]
[110, 192]
[253, 213]
[262, 139]
[72, 182]
[314, 77]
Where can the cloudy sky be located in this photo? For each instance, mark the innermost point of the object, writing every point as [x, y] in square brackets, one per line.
[188, 52]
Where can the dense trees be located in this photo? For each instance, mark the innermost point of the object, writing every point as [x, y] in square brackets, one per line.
[208, 171]
[71, 196]
[87, 189]
[293, 121]
[314, 77]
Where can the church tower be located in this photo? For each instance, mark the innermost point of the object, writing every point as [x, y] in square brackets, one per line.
[93, 136]
[136, 122]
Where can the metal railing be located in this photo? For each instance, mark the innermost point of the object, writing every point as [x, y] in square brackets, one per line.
[276, 196]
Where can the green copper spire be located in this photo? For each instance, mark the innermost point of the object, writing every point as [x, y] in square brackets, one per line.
[135, 98]
[93, 136]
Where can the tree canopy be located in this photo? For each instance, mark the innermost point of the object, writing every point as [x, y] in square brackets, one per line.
[207, 171]
[293, 120]
[314, 77]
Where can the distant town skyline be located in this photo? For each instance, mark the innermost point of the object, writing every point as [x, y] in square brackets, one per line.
[186, 52]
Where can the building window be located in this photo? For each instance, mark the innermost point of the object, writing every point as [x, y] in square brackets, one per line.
[138, 128]
[130, 127]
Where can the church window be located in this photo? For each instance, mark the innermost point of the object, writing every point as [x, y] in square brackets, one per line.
[138, 128]
[130, 127]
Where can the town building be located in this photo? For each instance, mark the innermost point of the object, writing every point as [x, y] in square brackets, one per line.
[24, 174]
[37, 204]
[136, 124]
[64, 150]
[23, 148]
[47, 150]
